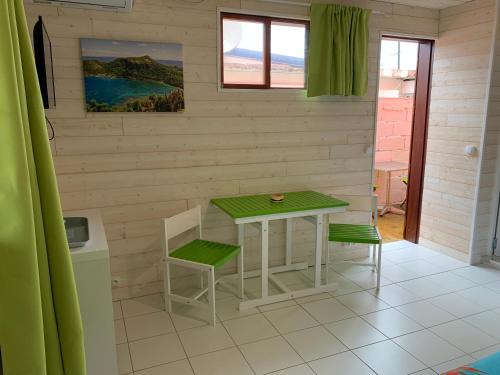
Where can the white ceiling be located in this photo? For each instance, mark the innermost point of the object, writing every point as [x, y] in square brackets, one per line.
[435, 4]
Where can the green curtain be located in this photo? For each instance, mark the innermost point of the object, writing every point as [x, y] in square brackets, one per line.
[338, 50]
[40, 325]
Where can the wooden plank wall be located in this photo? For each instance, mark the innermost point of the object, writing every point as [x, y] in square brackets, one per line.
[139, 167]
[490, 174]
[457, 110]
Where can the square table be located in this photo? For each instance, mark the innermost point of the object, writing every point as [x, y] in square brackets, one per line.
[259, 209]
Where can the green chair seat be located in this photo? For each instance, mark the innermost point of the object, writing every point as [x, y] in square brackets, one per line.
[206, 252]
[354, 233]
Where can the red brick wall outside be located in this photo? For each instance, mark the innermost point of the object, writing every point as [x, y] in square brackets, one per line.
[394, 122]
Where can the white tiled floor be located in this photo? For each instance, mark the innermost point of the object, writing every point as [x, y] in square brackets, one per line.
[433, 313]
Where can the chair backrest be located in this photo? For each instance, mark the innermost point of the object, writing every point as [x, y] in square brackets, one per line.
[180, 223]
[362, 203]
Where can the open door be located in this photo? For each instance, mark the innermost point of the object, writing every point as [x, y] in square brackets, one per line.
[418, 141]
[401, 134]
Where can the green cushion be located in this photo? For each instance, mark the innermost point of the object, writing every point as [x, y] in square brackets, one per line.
[206, 252]
[354, 233]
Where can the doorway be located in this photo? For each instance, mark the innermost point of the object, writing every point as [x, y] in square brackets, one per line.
[401, 135]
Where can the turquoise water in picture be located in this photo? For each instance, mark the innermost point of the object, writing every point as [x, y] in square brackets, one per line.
[113, 91]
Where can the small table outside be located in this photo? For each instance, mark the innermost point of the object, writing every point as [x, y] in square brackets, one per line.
[389, 167]
[259, 210]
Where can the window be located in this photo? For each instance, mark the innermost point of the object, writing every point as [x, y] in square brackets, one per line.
[260, 52]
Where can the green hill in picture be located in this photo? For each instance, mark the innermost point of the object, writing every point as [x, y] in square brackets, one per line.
[143, 68]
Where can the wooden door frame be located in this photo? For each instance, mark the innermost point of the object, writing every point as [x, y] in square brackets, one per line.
[418, 147]
[420, 123]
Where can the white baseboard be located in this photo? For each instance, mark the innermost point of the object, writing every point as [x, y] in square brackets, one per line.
[493, 263]
[445, 250]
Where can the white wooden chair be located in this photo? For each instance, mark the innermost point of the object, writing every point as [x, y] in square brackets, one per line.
[205, 256]
[360, 234]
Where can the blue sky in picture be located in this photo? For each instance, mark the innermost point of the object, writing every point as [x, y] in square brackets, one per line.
[104, 49]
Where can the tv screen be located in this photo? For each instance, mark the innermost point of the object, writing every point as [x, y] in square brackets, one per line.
[43, 61]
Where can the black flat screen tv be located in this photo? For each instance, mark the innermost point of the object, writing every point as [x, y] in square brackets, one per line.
[43, 61]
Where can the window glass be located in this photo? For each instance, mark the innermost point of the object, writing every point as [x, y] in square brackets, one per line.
[398, 55]
[389, 55]
[408, 56]
[288, 51]
[243, 49]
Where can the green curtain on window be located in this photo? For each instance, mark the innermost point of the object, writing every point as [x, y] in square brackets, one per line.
[338, 50]
[40, 325]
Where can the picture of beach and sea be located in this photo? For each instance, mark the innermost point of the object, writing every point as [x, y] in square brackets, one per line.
[123, 76]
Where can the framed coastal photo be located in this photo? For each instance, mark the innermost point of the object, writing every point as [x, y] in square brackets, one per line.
[124, 76]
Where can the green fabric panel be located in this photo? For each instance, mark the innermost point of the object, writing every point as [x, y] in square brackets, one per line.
[258, 205]
[354, 233]
[338, 50]
[206, 252]
[40, 325]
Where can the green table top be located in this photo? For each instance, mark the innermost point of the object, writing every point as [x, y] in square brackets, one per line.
[260, 205]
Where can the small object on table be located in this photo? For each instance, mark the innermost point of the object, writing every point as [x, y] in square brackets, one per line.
[278, 197]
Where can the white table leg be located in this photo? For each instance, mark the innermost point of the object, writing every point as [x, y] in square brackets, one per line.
[265, 258]
[326, 229]
[319, 248]
[211, 295]
[326, 246]
[240, 260]
[289, 236]
[379, 265]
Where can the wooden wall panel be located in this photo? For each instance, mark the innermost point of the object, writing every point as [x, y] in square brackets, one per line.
[138, 168]
[458, 98]
[489, 183]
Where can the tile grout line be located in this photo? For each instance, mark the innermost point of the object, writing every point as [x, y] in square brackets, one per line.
[291, 346]
[126, 337]
[366, 364]
[488, 347]
[162, 364]
[435, 364]
[177, 333]
[238, 348]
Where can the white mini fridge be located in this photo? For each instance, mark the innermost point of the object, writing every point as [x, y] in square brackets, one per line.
[93, 284]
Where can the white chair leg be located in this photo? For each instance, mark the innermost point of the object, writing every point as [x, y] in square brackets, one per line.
[332, 255]
[211, 295]
[379, 265]
[327, 261]
[167, 291]
[373, 250]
